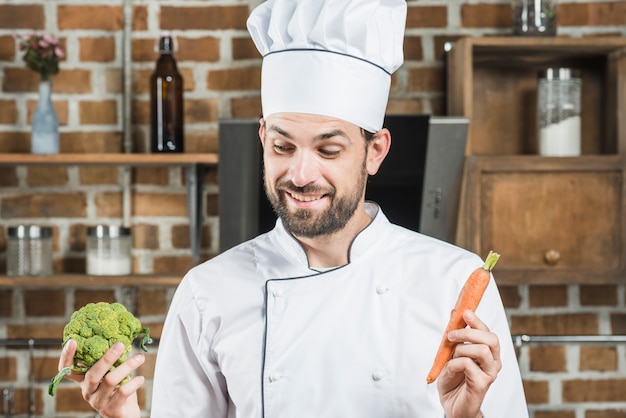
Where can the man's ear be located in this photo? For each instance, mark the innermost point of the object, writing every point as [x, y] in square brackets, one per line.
[377, 150]
[262, 131]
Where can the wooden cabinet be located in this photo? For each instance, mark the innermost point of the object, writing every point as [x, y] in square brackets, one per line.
[554, 220]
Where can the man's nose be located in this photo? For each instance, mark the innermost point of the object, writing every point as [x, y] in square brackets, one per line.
[304, 169]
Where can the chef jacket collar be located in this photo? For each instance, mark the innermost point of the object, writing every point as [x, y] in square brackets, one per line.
[362, 243]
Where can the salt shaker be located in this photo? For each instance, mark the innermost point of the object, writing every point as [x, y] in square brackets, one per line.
[108, 250]
[558, 112]
[29, 250]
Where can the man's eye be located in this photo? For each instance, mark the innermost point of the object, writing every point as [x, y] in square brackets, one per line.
[281, 148]
[329, 152]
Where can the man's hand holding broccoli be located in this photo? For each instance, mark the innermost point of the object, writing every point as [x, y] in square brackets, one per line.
[96, 343]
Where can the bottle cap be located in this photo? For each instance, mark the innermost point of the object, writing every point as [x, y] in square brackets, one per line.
[108, 231]
[29, 232]
[559, 73]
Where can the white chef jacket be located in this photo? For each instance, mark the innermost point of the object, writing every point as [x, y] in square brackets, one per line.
[255, 332]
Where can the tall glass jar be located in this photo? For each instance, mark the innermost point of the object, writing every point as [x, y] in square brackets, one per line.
[534, 17]
[29, 250]
[558, 112]
[108, 250]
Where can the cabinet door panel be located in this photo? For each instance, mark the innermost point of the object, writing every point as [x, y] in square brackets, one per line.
[560, 220]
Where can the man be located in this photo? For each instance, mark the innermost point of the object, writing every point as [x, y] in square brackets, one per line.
[335, 312]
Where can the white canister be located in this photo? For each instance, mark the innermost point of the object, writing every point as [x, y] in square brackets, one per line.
[108, 250]
[558, 113]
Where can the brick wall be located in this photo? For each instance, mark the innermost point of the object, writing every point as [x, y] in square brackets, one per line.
[221, 70]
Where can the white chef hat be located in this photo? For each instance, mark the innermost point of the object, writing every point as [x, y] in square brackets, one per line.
[329, 57]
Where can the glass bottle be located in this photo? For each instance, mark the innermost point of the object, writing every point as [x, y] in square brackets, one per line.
[534, 18]
[166, 102]
[558, 112]
[45, 125]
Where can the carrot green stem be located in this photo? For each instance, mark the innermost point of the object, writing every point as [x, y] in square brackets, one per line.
[491, 260]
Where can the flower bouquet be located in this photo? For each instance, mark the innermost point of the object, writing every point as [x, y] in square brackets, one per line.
[42, 53]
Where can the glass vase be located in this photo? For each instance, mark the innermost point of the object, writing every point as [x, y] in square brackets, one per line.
[45, 125]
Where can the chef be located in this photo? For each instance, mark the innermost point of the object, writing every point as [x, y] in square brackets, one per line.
[336, 312]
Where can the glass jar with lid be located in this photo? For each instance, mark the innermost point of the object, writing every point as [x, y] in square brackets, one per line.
[558, 112]
[108, 250]
[29, 250]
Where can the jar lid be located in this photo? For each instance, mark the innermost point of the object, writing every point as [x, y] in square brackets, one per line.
[559, 73]
[29, 231]
[108, 231]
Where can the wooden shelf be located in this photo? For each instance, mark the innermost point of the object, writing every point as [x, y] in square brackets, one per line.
[108, 159]
[82, 280]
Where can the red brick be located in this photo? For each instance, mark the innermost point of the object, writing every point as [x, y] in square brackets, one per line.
[205, 17]
[427, 17]
[536, 391]
[96, 175]
[6, 302]
[151, 302]
[598, 295]
[618, 323]
[8, 369]
[85, 296]
[212, 204]
[44, 302]
[244, 48]
[172, 265]
[47, 176]
[594, 390]
[69, 399]
[404, 106]
[145, 236]
[598, 358]
[98, 112]
[147, 368]
[248, 78]
[17, 80]
[555, 414]
[43, 331]
[7, 47]
[204, 49]
[413, 48]
[101, 49]
[45, 367]
[108, 204]
[426, 79]
[548, 358]
[246, 107]
[91, 142]
[89, 17]
[23, 16]
[8, 176]
[140, 18]
[8, 112]
[510, 295]
[605, 413]
[156, 204]
[65, 205]
[608, 13]
[201, 110]
[14, 141]
[555, 324]
[74, 81]
[547, 296]
[485, 15]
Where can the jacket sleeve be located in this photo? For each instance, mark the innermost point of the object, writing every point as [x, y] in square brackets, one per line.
[506, 395]
[187, 379]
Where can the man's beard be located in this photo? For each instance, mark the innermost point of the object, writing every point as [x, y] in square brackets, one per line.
[304, 222]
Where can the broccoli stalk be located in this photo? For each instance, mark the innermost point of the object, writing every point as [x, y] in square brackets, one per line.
[96, 327]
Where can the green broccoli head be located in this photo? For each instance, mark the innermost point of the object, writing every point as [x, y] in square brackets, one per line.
[96, 327]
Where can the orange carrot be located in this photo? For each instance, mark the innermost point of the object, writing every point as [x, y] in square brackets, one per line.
[469, 298]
